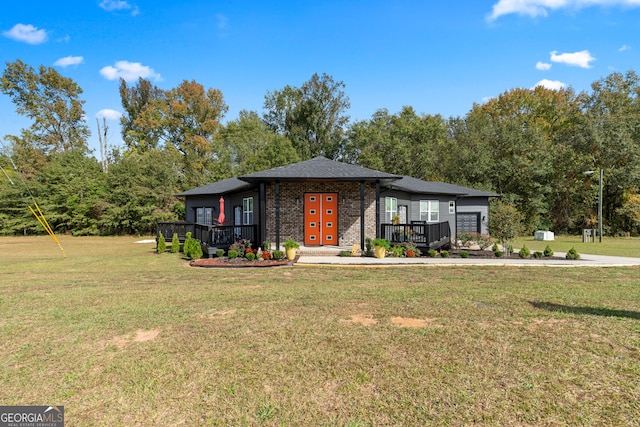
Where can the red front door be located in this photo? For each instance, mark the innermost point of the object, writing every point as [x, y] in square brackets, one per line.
[320, 219]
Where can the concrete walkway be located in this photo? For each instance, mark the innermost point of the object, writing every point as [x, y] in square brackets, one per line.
[585, 260]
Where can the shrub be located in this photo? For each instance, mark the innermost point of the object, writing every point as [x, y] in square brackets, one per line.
[409, 253]
[498, 254]
[175, 244]
[524, 252]
[368, 244]
[277, 254]
[444, 254]
[241, 245]
[232, 254]
[431, 253]
[495, 248]
[266, 255]
[464, 254]
[345, 253]
[396, 251]
[192, 248]
[537, 255]
[548, 251]
[266, 245]
[251, 256]
[219, 253]
[465, 239]
[573, 254]
[248, 251]
[162, 244]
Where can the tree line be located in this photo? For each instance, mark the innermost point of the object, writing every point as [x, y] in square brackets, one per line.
[532, 146]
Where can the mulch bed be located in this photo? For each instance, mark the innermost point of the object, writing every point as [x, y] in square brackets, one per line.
[224, 262]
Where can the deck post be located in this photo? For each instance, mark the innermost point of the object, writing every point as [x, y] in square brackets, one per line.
[377, 209]
[278, 214]
[362, 215]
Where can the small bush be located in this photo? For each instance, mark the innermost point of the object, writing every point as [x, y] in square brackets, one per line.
[266, 245]
[266, 255]
[537, 255]
[524, 252]
[409, 253]
[250, 256]
[431, 253]
[548, 251]
[192, 248]
[162, 244]
[573, 254]
[396, 251]
[495, 248]
[219, 253]
[232, 254]
[464, 254]
[175, 244]
[498, 253]
[277, 254]
[345, 253]
[444, 254]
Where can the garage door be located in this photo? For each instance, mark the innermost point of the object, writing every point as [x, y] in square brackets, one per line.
[468, 223]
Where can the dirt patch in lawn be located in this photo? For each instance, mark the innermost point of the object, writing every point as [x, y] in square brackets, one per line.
[408, 322]
[140, 335]
[363, 319]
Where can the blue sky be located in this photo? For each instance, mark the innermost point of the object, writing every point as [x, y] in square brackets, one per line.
[439, 57]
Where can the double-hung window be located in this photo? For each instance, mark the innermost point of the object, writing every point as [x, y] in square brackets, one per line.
[429, 210]
[390, 208]
[247, 211]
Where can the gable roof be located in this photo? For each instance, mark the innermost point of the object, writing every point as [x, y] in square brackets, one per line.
[414, 185]
[320, 168]
[221, 187]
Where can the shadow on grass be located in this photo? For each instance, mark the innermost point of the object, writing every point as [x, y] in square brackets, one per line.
[594, 311]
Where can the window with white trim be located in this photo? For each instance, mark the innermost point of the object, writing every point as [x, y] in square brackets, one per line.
[247, 211]
[452, 207]
[204, 216]
[390, 209]
[429, 210]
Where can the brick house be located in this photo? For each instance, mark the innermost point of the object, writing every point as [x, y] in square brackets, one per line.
[321, 202]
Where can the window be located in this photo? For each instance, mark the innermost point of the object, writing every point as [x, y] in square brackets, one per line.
[204, 216]
[452, 207]
[390, 208]
[429, 210]
[247, 211]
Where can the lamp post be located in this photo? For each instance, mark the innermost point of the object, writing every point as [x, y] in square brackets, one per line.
[599, 202]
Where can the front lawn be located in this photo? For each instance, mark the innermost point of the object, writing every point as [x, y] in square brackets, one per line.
[122, 336]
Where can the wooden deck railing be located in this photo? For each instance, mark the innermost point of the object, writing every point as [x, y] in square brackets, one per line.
[220, 236]
[425, 235]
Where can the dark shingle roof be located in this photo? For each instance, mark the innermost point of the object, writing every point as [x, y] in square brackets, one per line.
[414, 185]
[320, 168]
[221, 187]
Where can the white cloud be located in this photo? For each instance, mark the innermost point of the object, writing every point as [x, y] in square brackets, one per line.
[543, 66]
[129, 71]
[534, 8]
[109, 114]
[26, 33]
[69, 60]
[580, 59]
[551, 84]
[115, 5]
[624, 47]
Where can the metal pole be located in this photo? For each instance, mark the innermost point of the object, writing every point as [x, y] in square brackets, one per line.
[600, 206]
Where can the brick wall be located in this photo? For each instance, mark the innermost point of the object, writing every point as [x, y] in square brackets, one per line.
[292, 211]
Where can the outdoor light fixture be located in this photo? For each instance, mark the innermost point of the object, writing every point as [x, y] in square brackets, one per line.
[599, 202]
[298, 201]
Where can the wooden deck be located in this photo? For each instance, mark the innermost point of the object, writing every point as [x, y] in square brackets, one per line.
[424, 235]
[211, 237]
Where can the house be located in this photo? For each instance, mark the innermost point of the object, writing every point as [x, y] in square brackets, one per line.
[321, 202]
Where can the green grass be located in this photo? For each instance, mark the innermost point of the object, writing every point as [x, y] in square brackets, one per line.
[612, 246]
[499, 345]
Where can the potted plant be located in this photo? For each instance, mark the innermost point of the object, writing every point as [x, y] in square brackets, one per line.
[290, 247]
[380, 247]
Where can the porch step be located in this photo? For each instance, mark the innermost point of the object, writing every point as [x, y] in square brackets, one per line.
[322, 250]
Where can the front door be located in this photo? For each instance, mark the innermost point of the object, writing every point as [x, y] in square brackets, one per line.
[320, 219]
